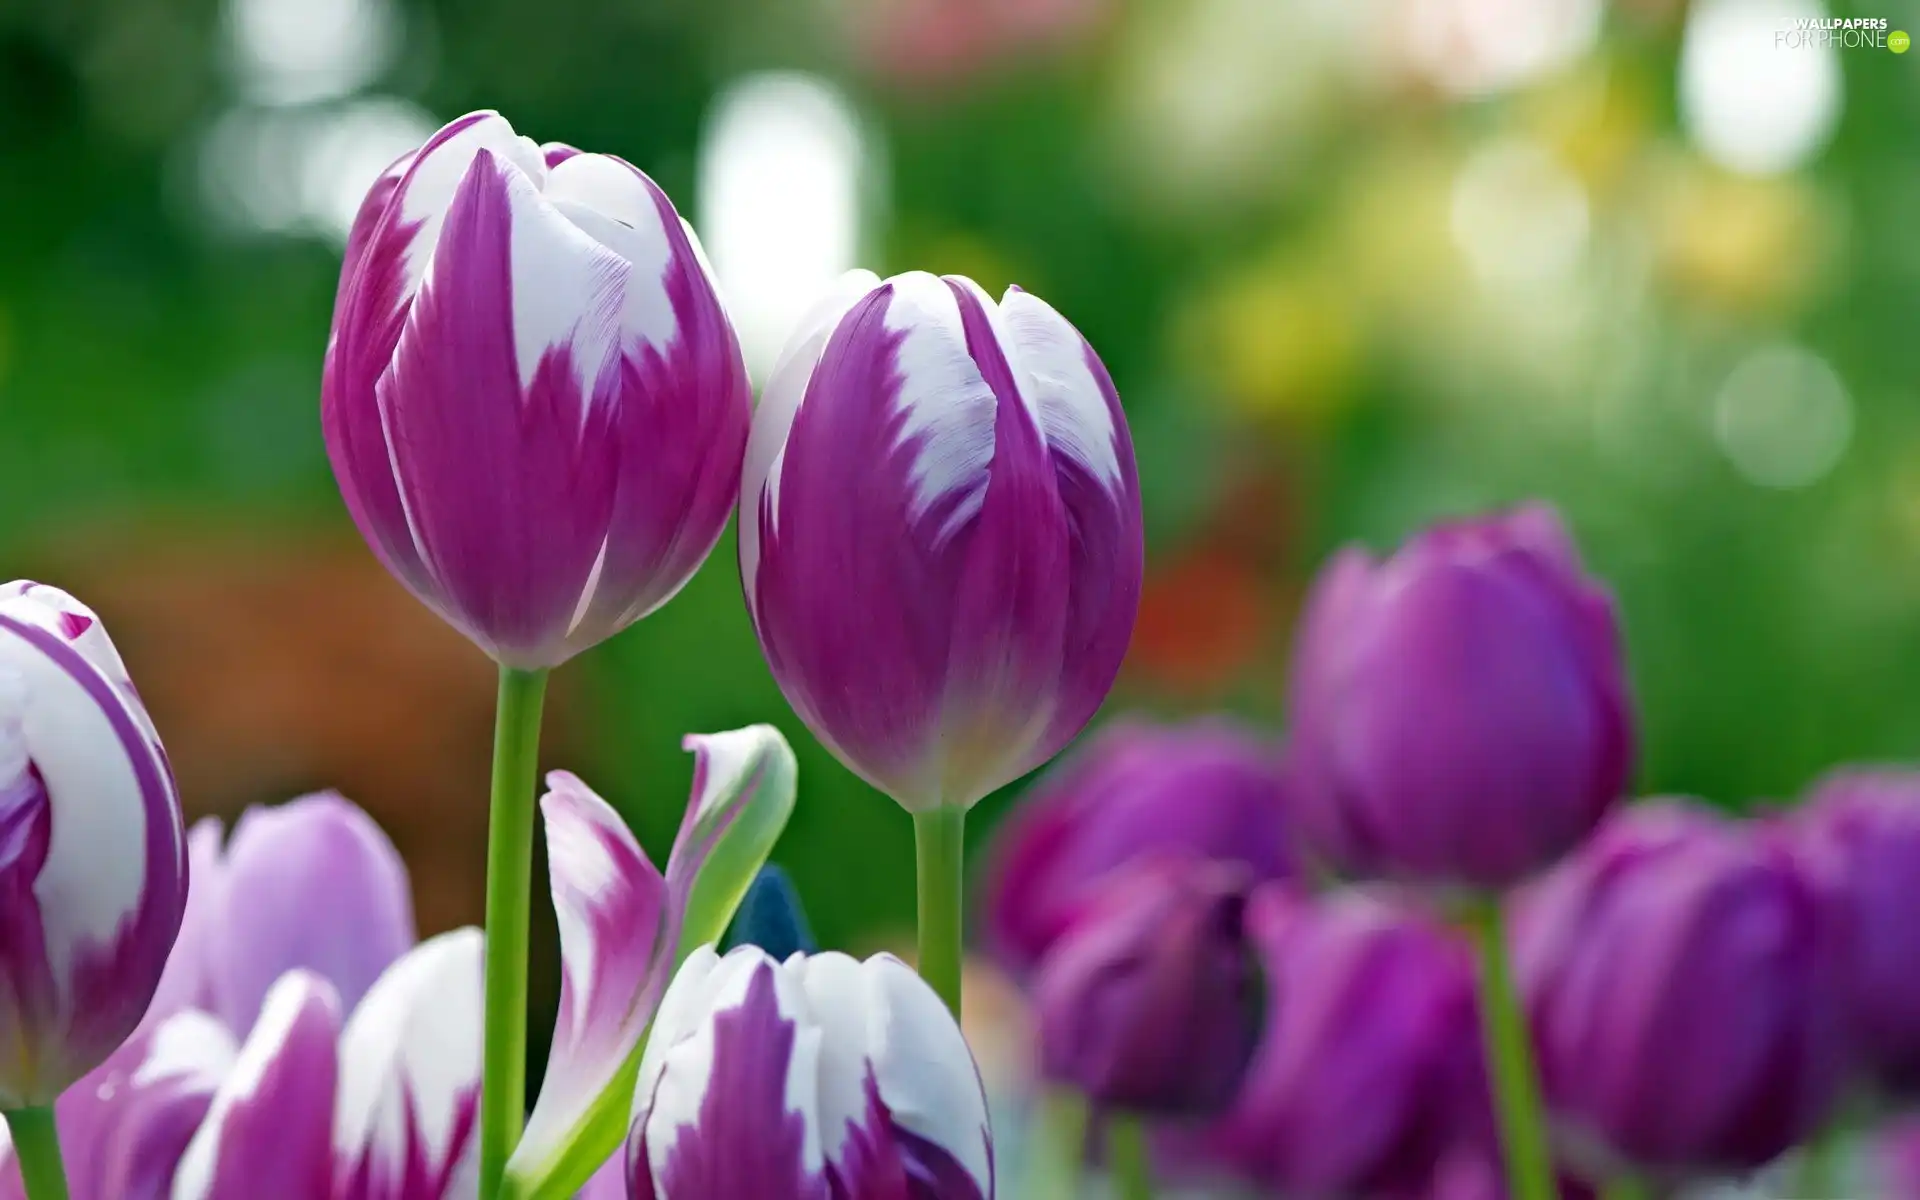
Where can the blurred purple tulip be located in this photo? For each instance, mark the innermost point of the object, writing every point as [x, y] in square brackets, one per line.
[940, 536]
[533, 401]
[1367, 1073]
[1861, 828]
[821, 1078]
[1682, 977]
[93, 861]
[1460, 712]
[1208, 788]
[1150, 1003]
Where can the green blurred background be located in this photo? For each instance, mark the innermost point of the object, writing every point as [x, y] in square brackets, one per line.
[1354, 264]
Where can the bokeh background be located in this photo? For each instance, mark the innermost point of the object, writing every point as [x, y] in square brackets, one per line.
[1354, 264]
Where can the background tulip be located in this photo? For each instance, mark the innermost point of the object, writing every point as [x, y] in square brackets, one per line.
[1209, 788]
[1459, 713]
[1682, 976]
[92, 853]
[820, 1077]
[533, 400]
[1861, 828]
[1150, 1003]
[940, 534]
[1367, 1071]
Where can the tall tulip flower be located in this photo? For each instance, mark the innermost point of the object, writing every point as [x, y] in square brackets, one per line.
[536, 409]
[93, 866]
[940, 544]
[821, 1078]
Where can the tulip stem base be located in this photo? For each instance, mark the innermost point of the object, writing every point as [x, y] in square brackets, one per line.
[939, 839]
[503, 1087]
[36, 1145]
[1128, 1160]
[1510, 1065]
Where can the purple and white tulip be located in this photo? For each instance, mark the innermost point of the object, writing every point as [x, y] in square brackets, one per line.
[625, 927]
[93, 858]
[940, 536]
[533, 401]
[822, 1078]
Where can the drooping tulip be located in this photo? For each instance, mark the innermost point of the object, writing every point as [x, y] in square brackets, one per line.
[940, 536]
[93, 866]
[1682, 978]
[1150, 1002]
[1460, 712]
[1367, 1072]
[1209, 788]
[821, 1078]
[534, 402]
[1861, 828]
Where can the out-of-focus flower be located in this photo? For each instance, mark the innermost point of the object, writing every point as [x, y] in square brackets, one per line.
[312, 883]
[1741, 245]
[771, 917]
[93, 856]
[1210, 789]
[625, 926]
[1368, 1070]
[940, 536]
[1459, 713]
[1475, 47]
[1892, 1160]
[1150, 1003]
[1861, 829]
[819, 1077]
[922, 43]
[1682, 976]
[534, 402]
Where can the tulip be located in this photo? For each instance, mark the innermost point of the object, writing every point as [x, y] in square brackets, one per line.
[1150, 1004]
[940, 533]
[1209, 788]
[940, 545]
[771, 917]
[1460, 712]
[820, 1077]
[1862, 829]
[92, 851]
[1682, 978]
[1366, 1073]
[533, 401]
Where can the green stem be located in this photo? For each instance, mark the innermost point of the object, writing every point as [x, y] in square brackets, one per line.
[503, 1087]
[1516, 1082]
[1819, 1164]
[939, 845]
[36, 1145]
[1127, 1158]
[1627, 1187]
[1059, 1148]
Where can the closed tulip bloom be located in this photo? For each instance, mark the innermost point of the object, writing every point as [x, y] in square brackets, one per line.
[93, 866]
[533, 401]
[1682, 977]
[1208, 788]
[940, 535]
[1862, 828]
[1150, 1003]
[820, 1078]
[1459, 712]
[1365, 1074]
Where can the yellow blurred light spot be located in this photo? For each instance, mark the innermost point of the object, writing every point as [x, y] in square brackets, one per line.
[1597, 120]
[1275, 344]
[1739, 243]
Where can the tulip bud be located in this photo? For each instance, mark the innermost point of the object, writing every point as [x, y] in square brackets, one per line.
[1681, 974]
[1861, 829]
[1209, 788]
[940, 535]
[534, 403]
[1366, 1071]
[92, 851]
[787, 1080]
[1459, 713]
[1150, 1003]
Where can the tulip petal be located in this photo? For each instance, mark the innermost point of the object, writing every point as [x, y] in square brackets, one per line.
[744, 782]
[282, 857]
[725, 1117]
[615, 947]
[893, 1062]
[187, 982]
[410, 1076]
[268, 1131]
